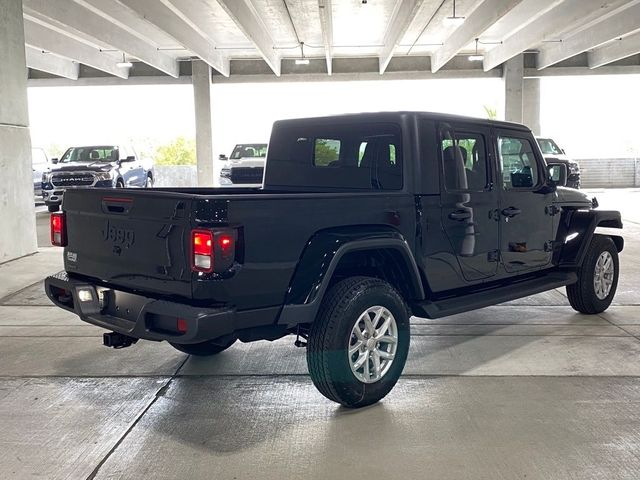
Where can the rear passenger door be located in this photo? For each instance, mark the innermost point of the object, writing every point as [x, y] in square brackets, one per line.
[468, 198]
[526, 221]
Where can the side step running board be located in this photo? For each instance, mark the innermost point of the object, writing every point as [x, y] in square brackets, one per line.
[493, 296]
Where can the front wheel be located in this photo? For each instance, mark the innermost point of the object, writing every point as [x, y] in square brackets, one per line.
[148, 182]
[53, 208]
[359, 342]
[597, 278]
[205, 349]
[120, 184]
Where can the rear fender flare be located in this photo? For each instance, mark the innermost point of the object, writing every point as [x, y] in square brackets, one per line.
[320, 260]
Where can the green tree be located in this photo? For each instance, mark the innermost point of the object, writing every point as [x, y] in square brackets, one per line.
[181, 151]
[326, 151]
[492, 113]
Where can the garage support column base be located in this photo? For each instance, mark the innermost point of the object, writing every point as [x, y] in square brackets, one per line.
[201, 77]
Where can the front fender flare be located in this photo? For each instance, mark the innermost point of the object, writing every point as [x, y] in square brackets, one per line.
[584, 224]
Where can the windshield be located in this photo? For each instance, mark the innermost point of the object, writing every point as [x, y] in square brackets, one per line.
[549, 147]
[91, 154]
[249, 150]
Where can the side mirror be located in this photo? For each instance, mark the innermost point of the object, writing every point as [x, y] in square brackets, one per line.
[54, 160]
[558, 173]
[223, 157]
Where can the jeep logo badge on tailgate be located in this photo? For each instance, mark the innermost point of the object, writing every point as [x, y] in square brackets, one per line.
[119, 236]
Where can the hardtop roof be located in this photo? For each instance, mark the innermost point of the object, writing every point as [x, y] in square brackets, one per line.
[397, 116]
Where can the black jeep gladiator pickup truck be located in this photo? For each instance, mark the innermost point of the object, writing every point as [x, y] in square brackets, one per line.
[364, 220]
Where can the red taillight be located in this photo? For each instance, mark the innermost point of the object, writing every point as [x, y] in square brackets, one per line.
[181, 325]
[202, 250]
[58, 229]
[226, 245]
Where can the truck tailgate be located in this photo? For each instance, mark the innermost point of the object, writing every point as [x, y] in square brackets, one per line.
[128, 238]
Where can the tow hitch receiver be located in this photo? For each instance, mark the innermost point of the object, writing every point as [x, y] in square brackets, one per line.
[117, 340]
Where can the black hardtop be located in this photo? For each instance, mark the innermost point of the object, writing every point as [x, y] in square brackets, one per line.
[397, 117]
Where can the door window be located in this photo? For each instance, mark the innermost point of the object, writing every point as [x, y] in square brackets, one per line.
[517, 163]
[464, 160]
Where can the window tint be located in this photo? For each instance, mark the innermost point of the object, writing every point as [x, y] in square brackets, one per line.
[91, 154]
[361, 150]
[549, 147]
[326, 152]
[464, 160]
[335, 156]
[517, 163]
[249, 150]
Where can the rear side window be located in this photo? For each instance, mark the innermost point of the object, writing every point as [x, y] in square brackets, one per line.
[336, 156]
[517, 163]
[326, 152]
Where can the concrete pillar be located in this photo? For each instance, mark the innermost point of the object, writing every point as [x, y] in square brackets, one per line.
[521, 95]
[17, 211]
[513, 74]
[531, 104]
[201, 78]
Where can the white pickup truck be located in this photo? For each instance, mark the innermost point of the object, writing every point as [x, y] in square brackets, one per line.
[245, 167]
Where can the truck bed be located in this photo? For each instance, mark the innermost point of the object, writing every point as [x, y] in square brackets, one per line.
[138, 240]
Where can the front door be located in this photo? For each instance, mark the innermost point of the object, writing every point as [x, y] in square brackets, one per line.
[468, 198]
[526, 226]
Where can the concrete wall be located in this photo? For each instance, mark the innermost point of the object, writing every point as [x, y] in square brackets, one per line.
[17, 214]
[610, 172]
[176, 176]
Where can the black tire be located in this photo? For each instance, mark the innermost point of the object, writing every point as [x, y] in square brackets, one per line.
[148, 182]
[582, 294]
[205, 349]
[120, 184]
[53, 208]
[331, 335]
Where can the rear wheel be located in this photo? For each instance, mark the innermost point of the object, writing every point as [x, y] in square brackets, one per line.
[205, 349]
[359, 342]
[597, 278]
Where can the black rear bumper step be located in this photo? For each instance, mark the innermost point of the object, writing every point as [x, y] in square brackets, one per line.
[132, 316]
[486, 298]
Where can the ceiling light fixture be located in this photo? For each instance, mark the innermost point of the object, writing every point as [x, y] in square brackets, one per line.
[476, 57]
[302, 60]
[124, 63]
[453, 19]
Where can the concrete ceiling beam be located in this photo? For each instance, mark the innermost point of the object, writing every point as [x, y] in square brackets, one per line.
[248, 20]
[487, 13]
[87, 23]
[623, 22]
[617, 50]
[402, 16]
[43, 38]
[170, 17]
[567, 16]
[50, 63]
[326, 23]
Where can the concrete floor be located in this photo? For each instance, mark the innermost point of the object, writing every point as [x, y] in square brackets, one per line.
[528, 389]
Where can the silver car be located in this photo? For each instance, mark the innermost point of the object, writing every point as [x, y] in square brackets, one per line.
[245, 167]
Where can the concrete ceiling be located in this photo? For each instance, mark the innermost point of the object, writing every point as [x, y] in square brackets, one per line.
[75, 38]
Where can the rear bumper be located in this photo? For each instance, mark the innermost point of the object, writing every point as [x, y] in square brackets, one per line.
[138, 316]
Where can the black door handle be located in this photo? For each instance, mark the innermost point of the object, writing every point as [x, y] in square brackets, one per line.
[511, 212]
[460, 215]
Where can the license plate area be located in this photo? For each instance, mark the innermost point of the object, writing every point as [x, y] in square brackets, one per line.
[123, 305]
